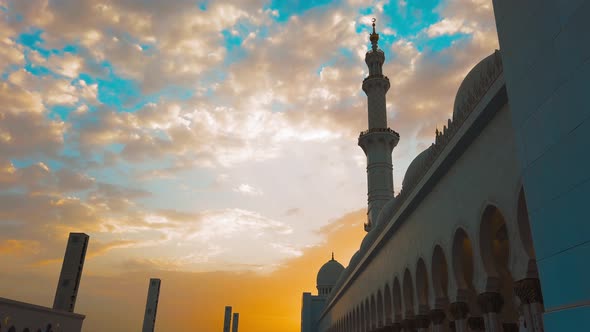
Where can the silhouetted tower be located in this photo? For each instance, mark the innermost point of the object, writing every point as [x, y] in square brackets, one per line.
[71, 272]
[235, 322]
[227, 319]
[379, 140]
[151, 306]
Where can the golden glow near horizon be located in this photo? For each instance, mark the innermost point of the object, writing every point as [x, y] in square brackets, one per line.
[219, 155]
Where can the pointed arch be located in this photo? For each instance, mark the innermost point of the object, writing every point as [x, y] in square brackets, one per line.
[373, 312]
[440, 277]
[363, 317]
[367, 314]
[396, 294]
[463, 260]
[408, 295]
[359, 321]
[422, 287]
[380, 310]
[387, 305]
[495, 254]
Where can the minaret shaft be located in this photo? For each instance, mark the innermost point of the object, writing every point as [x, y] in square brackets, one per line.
[377, 112]
[379, 140]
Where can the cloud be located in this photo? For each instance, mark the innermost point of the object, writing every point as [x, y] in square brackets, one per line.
[447, 27]
[19, 247]
[247, 189]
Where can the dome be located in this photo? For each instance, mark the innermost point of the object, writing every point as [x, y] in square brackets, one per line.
[329, 274]
[370, 238]
[413, 172]
[478, 76]
[387, 211]
[354, 259]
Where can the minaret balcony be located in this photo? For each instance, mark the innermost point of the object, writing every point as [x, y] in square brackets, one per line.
[375, 76]
[374, 135]
[379, 130]
[376, 81]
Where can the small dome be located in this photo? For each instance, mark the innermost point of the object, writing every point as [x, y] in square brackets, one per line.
[387, 211]
[354, 259]
[329, 274]
[370, 238]
[472, 83]
[414, 170]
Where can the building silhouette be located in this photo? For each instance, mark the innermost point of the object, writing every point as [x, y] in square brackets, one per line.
[20, 316]
[227, 319]
[151, 306]
[488, 231]
[235, 322]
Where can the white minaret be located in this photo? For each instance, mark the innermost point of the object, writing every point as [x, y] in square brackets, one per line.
[227, 319]
[379, 140]
[151, 306]
[235, 321]
[71, 272]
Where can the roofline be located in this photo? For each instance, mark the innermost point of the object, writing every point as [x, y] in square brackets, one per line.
[38, 308]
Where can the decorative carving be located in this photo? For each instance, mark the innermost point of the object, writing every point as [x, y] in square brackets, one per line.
[529, 290]
[437, 316]
[490, 302]
[490, 73]
[459, 310]
[476, 323]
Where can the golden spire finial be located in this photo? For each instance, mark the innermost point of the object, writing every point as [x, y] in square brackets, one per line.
[332, 255]
[374, 37]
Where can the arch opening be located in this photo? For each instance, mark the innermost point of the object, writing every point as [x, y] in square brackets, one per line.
[463, 260]
[440, 277]
[408, 295]
[422, 287]
[388, 305]
[495, 252]
[396, 293]
[380, 310]
[367, 315]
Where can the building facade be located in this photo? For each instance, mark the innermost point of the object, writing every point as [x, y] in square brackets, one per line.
[454, 250]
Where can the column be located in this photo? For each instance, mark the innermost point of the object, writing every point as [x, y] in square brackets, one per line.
[529, 292]
[459, 311]
[491, 304]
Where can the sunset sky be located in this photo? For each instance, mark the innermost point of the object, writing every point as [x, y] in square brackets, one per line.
[212, 144]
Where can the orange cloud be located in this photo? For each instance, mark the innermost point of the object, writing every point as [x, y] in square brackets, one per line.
[267, 302]
[19, 247]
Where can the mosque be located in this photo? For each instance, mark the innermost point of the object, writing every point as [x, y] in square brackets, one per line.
[453, 251]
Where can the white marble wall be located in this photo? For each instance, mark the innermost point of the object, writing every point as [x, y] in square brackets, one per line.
[487, 173]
